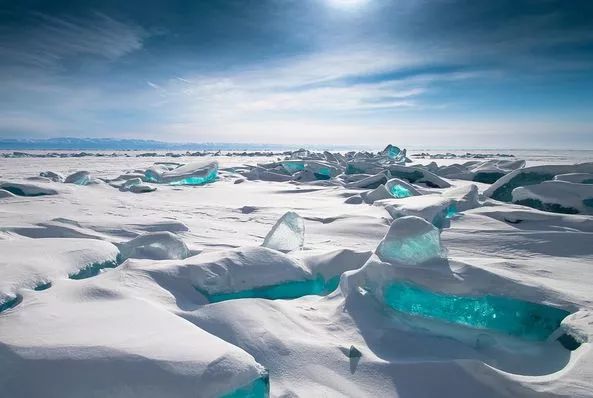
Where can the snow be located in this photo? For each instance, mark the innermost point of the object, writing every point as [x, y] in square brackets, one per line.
[377, 301]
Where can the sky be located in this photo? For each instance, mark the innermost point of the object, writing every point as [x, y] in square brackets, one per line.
[447, 73]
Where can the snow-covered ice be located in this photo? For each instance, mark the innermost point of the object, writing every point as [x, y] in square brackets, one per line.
[303, 274]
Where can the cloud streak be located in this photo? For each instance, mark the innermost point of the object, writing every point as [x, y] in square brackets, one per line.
[49, 40]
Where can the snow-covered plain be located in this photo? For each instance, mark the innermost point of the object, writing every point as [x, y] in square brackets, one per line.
[107, 290]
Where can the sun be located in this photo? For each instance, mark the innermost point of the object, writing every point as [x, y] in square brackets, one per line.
[347, 3]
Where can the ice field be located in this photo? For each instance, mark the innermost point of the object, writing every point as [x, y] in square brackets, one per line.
[302, 274]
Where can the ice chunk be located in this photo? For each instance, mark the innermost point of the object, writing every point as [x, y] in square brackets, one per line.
[156, 246]
[410, 240]
[141, 188]
[400, 189]
[79, 178]
[56, 177]
[463, 198]
[197, 173]
[433, 208]
[260, 388]
[391, 151]
[322, 170]
[370, 182]
[287, 234]
[579, 178]
[418, 175]
[502, 189]
[530, 321]
[556, 196]
[27, 189]
[292, 166]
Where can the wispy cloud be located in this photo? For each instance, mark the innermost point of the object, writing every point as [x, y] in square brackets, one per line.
[50, 40]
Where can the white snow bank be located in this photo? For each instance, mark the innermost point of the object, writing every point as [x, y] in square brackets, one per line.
[91, 339]
[242, 269]
[29, 263]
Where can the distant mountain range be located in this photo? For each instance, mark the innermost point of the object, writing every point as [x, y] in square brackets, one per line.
[112, 144]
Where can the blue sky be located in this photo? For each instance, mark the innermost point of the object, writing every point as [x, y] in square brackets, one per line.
[412, 72]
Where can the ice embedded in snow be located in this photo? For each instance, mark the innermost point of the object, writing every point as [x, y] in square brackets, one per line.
[410, 240]
[292, 166]
[463, 197]
[28, 263]
[502, 189]
[400, 189]
[156, 246]
[436, 209]
[579, 178]
[96, 339]
[417, 175]
[196, 173]
[287, 234]
[55, 177]
[79, 178]
[250, 272]
[529, 321]
[556, 196]
[27, 189]
[6, 194]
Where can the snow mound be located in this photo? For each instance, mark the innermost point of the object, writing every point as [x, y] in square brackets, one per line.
[28, 263]
[287, 234]
[156, 246]
[242, 269]
[556, 196]
[410, 240]
[108, 343]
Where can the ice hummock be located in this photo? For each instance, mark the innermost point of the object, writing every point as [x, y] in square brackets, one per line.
[196, 173]
[287, 234]
[502, 189]
[557, 197]
[410, 240]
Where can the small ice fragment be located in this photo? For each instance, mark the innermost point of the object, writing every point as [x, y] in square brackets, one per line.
[287, 234]
[410, 240]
